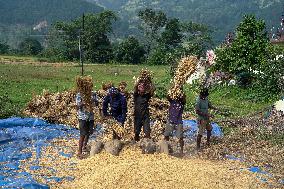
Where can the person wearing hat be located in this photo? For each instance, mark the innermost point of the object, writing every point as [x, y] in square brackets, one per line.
[117, 104]
[203, 119]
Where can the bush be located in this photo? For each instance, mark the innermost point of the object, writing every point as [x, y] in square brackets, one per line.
[30, 46]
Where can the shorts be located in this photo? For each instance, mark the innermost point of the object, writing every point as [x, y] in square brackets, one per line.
[204, 125]
[171, 127]
[86, 127]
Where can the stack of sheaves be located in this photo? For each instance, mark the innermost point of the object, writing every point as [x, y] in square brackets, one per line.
[185, 68]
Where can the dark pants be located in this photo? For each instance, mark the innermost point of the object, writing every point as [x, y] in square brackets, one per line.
[140, 122]
[86, 127]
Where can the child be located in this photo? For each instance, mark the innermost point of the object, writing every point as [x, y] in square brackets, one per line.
[201, 108]
[175, 119]
[141, 108]
[85, 114]
[122, 89]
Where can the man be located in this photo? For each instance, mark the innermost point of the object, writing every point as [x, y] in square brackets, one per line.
[117, 104]
[86, 121]
[201, 108]
[141, 109]
[175, 119]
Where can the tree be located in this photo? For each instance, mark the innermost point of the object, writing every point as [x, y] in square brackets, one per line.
[197, 38]
[172, 35]
[249, 50]
[4, 48]
[152, 22]
[130, 51]
[251, 56]
[30, 46]
[95, 40]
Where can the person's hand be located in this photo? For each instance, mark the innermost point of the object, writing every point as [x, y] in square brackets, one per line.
[108, 117]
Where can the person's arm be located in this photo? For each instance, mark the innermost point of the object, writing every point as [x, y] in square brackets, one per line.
[79, 102]
[105, 105]
[184, 99]
[152, 90]
[124, 109]
[95, 98]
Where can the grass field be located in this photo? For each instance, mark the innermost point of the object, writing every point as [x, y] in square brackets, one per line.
[23, 76]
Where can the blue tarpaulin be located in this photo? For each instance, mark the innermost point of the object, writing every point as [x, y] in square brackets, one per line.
[17, 134]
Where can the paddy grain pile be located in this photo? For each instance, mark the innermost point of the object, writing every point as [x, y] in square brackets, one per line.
[131, 169]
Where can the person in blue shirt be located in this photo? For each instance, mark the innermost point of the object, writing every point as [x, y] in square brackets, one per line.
[86, 121]
[115, 106]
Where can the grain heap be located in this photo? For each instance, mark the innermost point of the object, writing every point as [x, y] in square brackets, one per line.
[185, 68]
[131, 169]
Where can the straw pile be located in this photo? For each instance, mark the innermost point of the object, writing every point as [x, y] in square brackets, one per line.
[54, 107]
[253, 140]
[185, 68]
[61, 108]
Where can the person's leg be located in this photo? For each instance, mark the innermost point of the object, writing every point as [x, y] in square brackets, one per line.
[146, 126]
[137, 128]
[81, 142]
[179, 134]
[201, 129]
[209, 132]
[83, 133]
[89, 130]
[168, 131]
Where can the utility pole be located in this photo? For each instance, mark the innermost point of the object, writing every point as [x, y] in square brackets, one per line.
[81, 37]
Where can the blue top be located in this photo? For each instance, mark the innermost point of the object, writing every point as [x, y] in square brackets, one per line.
[118, 107]
[82, 113]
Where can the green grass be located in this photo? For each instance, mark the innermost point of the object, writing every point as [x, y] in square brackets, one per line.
[19, 81]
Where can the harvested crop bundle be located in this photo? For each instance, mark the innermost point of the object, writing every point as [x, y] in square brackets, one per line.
[186, 67]
[84, 85]
[116, 127]
[145, 78]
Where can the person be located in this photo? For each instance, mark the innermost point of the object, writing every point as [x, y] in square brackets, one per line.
[117, 104]
[122, 89]
[141, 108]
[86, 120]
[175, 119]
[203, 120]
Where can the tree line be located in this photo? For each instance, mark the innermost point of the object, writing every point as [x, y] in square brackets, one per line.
[164, 40]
